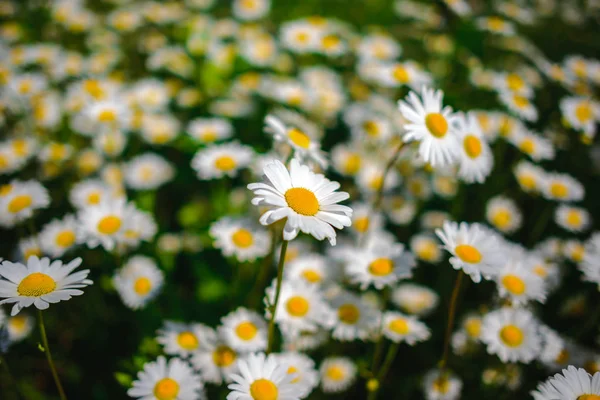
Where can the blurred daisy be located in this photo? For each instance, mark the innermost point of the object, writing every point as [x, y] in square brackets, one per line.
[426, 248]
[89, 192]
[244, 330]
[104, 224]
[503, 214]
[147, 172]
[513, 83]
[356, 318]
[573, 219]
[302, 367]
[308, 200]
[221, 160]
[162, 379]
[140, 227]
[159, 129]
[262, 377]
[40, 282]
[216, 362]
[476, 159]
[562, 187]
[431, 125]
[403, 328]
[414, 299]
[574, 250]
[30, 246]
[346, 160]
[138, 282]
[250, 10]
[535, 146]
[209, 130]
[519, 284]
[240, 238]
[581, 113]
[305, 148]
[474, 250]
[440, 385]
[59, 236]
[496, 25]
[313, 269]
[337, 374]
[521, 106]
[183, 340]
[512, 334]
[371, 180]
[378, 46]
[19, 199]
[529, 176]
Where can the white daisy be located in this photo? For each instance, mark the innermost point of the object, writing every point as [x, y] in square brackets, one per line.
[240, 238]
[512, 334]
[520, 284]
[209, 130]
[306, 377]
[337, 374]
[308, 200]
[138, 282]
[104, 224]
[521, 106]
[147, 172]
[573, 219]
[244, 330]
[184, 339]
[496, 25]
[346, 159]
[529, 176]
[221, 160]
[426, 248]
[581, 113]
[89, 192]
[503, 214]
[216, 362]
[562, 187]
[535, 146]
[476, 159]
[29, 246]
[140, 227]
[59, 236]
[370, 178]
[262, 377]
[415, 299]
[356, 318]
[399, 327]
[313, 269]
[162, 379]
[431, 125]
[571, 384]
[19, 327]
[440, 385]
[250, 10]
[19, 199]
[40, 282]
[476, 251]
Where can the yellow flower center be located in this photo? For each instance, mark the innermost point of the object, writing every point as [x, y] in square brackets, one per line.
[381, 267]
[540, 271]
[512, 335]
[166, 389]
[246, 330]
[436, 124]
[299, 138]
[583, 112]
[20, 147]
[348, 313]
[501, 219]
[496, 24]
[468, 253]
[109, 225]
[376, 182]
[514, 284]
[225, 163]
[19, 203]
[514, 82]
[242, 238]
[427, 251]
[371, 128]
[362, 224]
[441, 385]
[3, 161]
[527, 146]
[18, 322]
[527, 181]
[574, 218]
[589, 397]
[302, 201]
[330, 42]
[335, 373]
[399, 326]
[297, 306]
[107, 116]
[559, 189]
[352, 164]
[521, 101]
[209, 135]
[294, 370]
[563, 357]
[187, 340]
[302, 37]
[473, 327]
[36, 284]
[94, 89]
[472, 146]
[224, 356]
[142, 286]
[400, 74]
[311, 275]
[577, 253]
[33, 251]
[93, 198]
[65, 239]
[264, 389]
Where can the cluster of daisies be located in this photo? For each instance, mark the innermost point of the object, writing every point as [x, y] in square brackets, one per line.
[326, 172]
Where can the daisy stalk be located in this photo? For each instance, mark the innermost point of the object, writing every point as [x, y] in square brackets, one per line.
[46, 349]
[450, 326]
[273, 306]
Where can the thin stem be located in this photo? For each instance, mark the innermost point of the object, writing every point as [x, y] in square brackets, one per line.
[11, 377]
[386, 171]
[277, 293]
[378, 354]
[263, 273]
[49, 356]
[451, 313]
[385, 368]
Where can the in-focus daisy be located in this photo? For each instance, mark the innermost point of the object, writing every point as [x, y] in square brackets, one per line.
[337, 374]
[399, 327]
[19, 199]
[503, 214]
[308, 200]
[138, 281]
[40, 282]
[183, 339]
[240, 238]
[512, 334]
[147, 171]
[59, 236]
[572, 384]
[262, 377]
[305, 148]
[306, 377]
[440, 385]
[221, 160]
[520, 284]
[356, 318]
[573, 219]
[414, 299]
[476, 159]
[562, 187]
[475, 250]
[162, 379]
[431, 125]
[244, 330]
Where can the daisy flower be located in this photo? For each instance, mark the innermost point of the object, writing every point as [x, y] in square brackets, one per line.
[19, 327]
[250, 10]
[306, 377]
[308, 200]
[240, 238]
[426, 248]
[262, 377]
[529, 176]
[572, 384]
[552, 345]
[183, 339]
[503, 214]
[148, 172]
[431, 125]
[581, 113]
[59, 236]
[313, 269]
[512, 334]
[370, 178]
[562, 187]
[399, 327]
[104, 224]
[40, 282]
[138, 282]
[414, 299]
[216, 362]
[162, 379]
[519, 105]
[476, 159]
[440, 385]
[520, 284]
[301, 308]
[474, 250]
[356, 318]
[535, 146]
[378, 46]
[159, 129]
[29, 246]
[496, 25]
[346, 160]
[513, 83]
[19, 199]
[574, 250]
[573, 219]
[337, 374]
[221, 160]
[305, 148]
[210, 130]
[89, 192]
[244, 330]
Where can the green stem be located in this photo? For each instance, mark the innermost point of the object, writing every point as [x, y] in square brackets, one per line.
[385, 368]
[277, 293]
[11, 377]
[378, 354]
[263, 273]
[451, 314]
[49, 356]
[386, 171]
